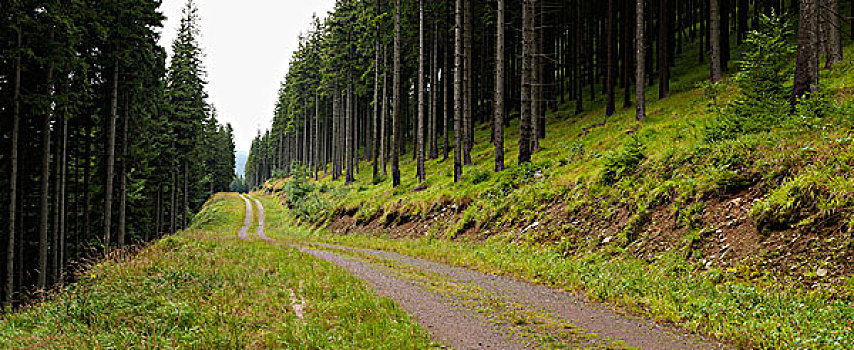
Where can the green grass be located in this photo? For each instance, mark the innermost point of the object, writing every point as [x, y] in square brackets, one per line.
[205, 289]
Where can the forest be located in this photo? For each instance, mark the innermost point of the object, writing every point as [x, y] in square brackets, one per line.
[376, 80]
[665, 174]
[103, 145]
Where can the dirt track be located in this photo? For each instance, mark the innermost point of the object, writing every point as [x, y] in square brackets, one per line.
[247, 221]
[468, 309]
[260, 220]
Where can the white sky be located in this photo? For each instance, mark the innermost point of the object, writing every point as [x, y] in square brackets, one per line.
[247, 46]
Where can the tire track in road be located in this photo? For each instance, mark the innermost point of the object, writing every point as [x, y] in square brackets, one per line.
[260, 220]
[244, 230]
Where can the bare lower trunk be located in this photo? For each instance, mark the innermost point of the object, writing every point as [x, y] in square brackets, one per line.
[173, 208]
[57, 261]
[158, 213]
[445, 110]
[663, 49]
[715, 41]
[186, 206]
[640, 82]
[87, 198]
[610, 105]
[376, 134]
[458, 91]
[434, 96]
[336, 126]
[527, 50]
[807, 59]
[111, 158]
[834, 35]
[421, 103]
[315, 154]
[44, 212]
[579, 96]
[535, 78]
[383, 118]
[348, 131]
[9, 286]
[540, 100]
[468, 122]
[498, 118]
[123, 184]
[397, 115]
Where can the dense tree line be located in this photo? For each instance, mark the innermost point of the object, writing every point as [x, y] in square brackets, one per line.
[376, 76]
[101, 144]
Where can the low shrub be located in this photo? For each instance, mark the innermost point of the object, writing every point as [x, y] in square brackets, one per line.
[624, 161]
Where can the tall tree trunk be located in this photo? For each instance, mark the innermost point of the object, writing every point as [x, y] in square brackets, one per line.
[536, 81]
[61, 162]
[527, 57]
[44, 212]
[185, 207]
[445, 110]
[111, 157]
[315, 158]
[468, 121]
[396, 116]
[173, 208]
[640, 65]
[348, 127]
[498, 118]
[579, 96]
[434, 96]
[610, 105]
[704, 31]
[743, 9]
[724, 9]
[9, 286]
[376, 134]
[306, 135]
[715, 41]
[384, 116]
[663, 49]
[458, 90]
[834, 37]
[158, 213]
[626, 51]
[807, 59]
[336, 134]
[421, 95]
[87, 169]
[123, 173]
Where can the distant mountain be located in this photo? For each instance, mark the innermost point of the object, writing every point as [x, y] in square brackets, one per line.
[241, 157]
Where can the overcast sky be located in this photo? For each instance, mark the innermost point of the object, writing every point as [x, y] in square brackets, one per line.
[247, 46]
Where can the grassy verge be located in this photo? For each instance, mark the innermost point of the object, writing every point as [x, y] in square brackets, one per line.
[751, 314]
[204, 289]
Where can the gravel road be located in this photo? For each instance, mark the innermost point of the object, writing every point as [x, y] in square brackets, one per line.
[468, 309]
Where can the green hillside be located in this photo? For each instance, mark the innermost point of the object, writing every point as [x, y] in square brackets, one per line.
[748, 238]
